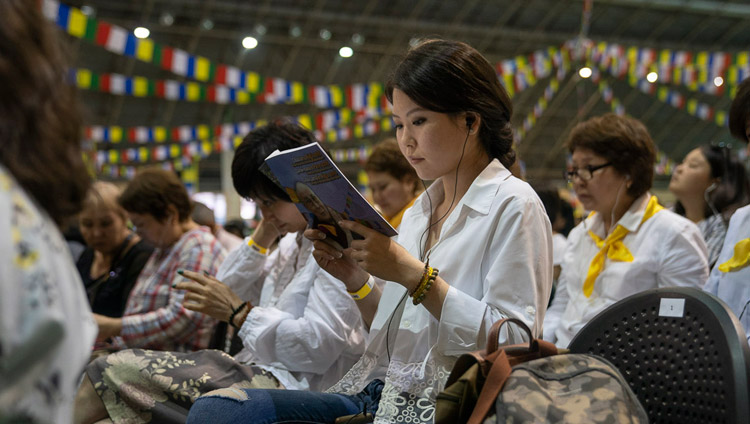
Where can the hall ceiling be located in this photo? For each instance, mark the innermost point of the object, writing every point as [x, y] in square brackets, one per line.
[291, 47]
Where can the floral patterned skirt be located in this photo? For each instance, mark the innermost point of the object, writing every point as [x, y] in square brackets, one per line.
[140, 386]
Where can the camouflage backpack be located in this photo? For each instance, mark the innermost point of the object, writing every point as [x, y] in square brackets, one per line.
[571, 388]
[533, 383]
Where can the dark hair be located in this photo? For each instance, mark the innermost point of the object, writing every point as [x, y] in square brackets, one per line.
[39, 118]
[733, 189]
[152, 191]
[739, 112]
[451, 77]
[550, 198]
[622, 140]
[203, 215]
[386, 157]
[247, 177]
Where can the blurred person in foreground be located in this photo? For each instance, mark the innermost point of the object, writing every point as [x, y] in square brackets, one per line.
[730, 278]
[43, 181]
[393, 182]
[629, 243]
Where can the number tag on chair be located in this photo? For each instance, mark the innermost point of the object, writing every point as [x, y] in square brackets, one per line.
[672, 308]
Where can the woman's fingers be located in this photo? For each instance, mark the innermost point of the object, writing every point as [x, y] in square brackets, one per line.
[358, 228]
[200, 278]
[314, 234]
[189, 285]
[326, 249]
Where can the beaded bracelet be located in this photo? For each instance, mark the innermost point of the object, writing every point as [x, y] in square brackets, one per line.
[428, 278]
[235, 311]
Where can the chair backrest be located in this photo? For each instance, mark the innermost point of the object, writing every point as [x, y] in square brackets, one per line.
[682, 350]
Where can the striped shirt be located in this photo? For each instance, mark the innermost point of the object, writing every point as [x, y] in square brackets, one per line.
[154, 317]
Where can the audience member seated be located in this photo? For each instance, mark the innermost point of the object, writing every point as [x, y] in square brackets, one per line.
[730, 277]
[154, 317]
[299, 327]
[115, 255]
[238, 227]
[628, 243]
[710, 185]
[484, 230]
[203, 215]
[393, 182]
[43, 182]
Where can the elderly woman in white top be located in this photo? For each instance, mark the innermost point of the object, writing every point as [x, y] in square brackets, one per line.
[628, 243]
[485, 231]
[299, 327]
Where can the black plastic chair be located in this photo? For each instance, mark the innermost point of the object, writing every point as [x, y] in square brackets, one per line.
[682, 350]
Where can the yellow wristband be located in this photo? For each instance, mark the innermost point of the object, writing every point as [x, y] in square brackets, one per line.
[256, 247]
[364, 291]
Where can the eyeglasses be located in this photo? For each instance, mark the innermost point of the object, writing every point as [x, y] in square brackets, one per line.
[586, 173]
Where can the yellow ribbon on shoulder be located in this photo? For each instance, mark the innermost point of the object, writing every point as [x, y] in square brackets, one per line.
[740, 259]
[613, 248]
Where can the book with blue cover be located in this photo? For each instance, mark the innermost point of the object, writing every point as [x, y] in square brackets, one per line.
[322, 193]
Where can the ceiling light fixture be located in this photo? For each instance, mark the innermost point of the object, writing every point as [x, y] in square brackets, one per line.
[585, 72]
[652, 77]
[718, 81]
[166, 19]
[346, 51]
[249, 42]
[325, 34]
[141, 32]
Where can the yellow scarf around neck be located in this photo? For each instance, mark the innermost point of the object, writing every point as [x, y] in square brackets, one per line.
[613, 248]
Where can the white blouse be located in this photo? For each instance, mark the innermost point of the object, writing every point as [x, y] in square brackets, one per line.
[305, 328]
[668, 250]
[734, 287]
[495, 250]
[39, 283]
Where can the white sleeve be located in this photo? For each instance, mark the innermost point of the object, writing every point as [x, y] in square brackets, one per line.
[310, 341]
[244, 270]
[684, 261]
[556, 310]
[517, 284]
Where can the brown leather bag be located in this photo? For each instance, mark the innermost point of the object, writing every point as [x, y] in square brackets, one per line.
[478, 377]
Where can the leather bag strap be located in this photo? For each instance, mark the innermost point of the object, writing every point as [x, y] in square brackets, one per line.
[493, 340]
[499, 373]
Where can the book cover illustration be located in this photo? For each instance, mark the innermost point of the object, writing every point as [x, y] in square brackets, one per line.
[322, 193]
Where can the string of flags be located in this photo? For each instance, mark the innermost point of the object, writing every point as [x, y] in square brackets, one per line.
[536, 111]
[323, 122]
[356, 96]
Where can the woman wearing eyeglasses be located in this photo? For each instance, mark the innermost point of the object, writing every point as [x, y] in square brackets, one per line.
[710, 185]
[628, 243]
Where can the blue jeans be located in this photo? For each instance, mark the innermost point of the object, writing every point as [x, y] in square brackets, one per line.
[265, 406]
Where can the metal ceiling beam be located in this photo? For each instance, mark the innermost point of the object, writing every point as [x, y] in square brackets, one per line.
[704, 7]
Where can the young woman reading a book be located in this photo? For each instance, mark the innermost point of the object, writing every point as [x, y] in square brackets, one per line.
[299, 327]
[475, 247]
